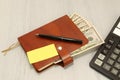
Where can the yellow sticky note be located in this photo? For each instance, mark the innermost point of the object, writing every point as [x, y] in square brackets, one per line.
[42, 53]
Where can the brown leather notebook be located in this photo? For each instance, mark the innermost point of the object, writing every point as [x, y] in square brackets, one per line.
[62, 26]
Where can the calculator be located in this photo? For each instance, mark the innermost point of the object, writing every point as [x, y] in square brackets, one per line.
[107, 58]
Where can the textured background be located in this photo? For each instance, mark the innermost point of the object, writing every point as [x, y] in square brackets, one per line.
[21, 16]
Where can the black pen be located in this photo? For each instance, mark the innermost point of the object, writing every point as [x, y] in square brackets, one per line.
[59, 38]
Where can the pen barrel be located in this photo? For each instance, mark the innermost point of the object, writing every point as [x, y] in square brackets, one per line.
[66, 39]
[71, 40]
[50, 37]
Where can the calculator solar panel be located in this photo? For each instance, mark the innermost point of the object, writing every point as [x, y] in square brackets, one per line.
[107, 58]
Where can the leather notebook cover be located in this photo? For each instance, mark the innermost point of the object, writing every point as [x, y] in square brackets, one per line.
[62, 26]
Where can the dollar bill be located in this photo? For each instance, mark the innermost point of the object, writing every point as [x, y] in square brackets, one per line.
[94, 39]
[89, 31]
[81, 23]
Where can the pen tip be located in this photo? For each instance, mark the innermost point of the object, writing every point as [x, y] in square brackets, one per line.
[37, 34]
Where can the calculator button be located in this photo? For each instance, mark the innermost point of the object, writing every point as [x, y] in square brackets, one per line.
[113, 56]
[101, 56]
[105, 51]
[106, 67]
[119, 75]
[111, 41]
[114, 71]
[98, 62]
[117, 65]
[110, 61]
[116, 50]
[108, 46]
[119, 59]
[118, 46]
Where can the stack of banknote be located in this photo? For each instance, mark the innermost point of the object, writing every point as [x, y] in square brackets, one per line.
[89, 31]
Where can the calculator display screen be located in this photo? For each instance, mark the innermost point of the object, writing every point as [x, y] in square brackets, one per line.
[117, 30]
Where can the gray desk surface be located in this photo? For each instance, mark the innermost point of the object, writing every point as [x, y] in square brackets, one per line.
[20, 16]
